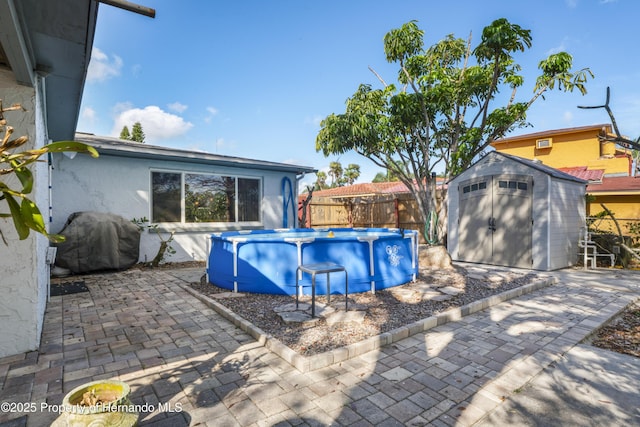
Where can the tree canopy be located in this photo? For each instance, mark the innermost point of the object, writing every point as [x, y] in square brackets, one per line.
[447, 105]
[339, 176]
[137, 134]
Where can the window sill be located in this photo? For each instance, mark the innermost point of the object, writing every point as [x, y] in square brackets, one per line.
[205, 227]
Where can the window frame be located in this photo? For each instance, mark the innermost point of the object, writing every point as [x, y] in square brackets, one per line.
[183, 225]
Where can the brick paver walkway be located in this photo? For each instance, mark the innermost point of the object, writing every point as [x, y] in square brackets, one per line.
[142, 327]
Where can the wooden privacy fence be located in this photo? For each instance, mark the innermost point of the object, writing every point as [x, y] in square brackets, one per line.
[392, 211]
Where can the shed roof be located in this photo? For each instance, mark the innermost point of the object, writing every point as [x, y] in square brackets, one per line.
[119, 147]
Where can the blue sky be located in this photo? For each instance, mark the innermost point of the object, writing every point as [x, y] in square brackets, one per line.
[254, 78]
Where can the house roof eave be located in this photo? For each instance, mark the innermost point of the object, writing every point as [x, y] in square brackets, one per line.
[117, 147]
[550, 133]
[51, 41]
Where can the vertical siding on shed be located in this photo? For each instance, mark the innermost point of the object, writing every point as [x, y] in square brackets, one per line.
[567, 216]
[453, 236]
[540, 215]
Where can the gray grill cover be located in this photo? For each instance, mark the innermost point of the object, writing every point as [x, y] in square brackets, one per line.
[98, 241]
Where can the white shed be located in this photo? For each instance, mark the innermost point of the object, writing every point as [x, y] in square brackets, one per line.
[510, 211]
[190, 193]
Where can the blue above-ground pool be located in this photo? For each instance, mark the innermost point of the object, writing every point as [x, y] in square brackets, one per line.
[265, 261]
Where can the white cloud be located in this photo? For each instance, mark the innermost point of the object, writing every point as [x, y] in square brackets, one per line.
[567, 117]
[562, 47]
[212, 112]
[89, 114]
[315, 120]
[572, 3]
[102, 67]
[177, 107]
[156, 123]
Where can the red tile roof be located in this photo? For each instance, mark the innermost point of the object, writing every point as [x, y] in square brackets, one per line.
[616, 184]
[583, 173]
[363, 189]
[368, 189]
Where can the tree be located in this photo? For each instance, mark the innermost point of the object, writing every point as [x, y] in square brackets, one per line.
[339, 175]
[351, 174]
[23, 212]
[335, 172]
[380, 177]
[447, 107]
[321, 180]
[137, 134]
[124, 134]
[389, 176]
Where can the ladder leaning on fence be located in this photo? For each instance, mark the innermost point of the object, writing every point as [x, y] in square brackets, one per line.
[589, 250]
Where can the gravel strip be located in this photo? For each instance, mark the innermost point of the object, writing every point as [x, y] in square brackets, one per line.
[385, 310]
[622, 335]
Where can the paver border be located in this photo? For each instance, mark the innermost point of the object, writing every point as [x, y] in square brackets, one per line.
[317, 361]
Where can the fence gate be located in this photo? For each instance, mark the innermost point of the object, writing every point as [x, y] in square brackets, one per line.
[494, 221]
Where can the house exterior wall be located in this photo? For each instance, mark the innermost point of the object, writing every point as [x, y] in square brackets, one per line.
[550, 241]
[568, 150]
[25, 274]
[121, 185]
[625, 207]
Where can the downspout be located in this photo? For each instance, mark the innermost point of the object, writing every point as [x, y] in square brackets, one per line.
[287, 199]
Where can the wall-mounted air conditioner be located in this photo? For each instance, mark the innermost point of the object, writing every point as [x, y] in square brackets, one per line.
[544, 143]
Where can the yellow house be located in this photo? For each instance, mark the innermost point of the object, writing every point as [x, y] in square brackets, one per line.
[570, 148]
[586, 153]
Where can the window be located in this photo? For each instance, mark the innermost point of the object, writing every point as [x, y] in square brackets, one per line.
[248, 199]
[204, 198]
[513, 185]
[474, 187]
[544, 143]
[166, 190]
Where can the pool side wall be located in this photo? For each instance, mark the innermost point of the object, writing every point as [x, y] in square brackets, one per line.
[269, 266]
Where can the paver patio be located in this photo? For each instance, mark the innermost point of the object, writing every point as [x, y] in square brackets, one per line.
[144, 328]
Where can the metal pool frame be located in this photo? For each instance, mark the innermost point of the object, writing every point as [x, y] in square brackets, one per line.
[265, 261]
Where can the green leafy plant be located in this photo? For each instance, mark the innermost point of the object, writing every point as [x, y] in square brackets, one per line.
[165, 248]
[23, 212]
[634, 231]
[444, 109]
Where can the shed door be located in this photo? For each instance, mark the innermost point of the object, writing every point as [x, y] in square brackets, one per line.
[495, 220]
[475, 212]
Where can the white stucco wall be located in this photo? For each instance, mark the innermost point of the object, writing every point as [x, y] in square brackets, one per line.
[121, 185]
[23, 284]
